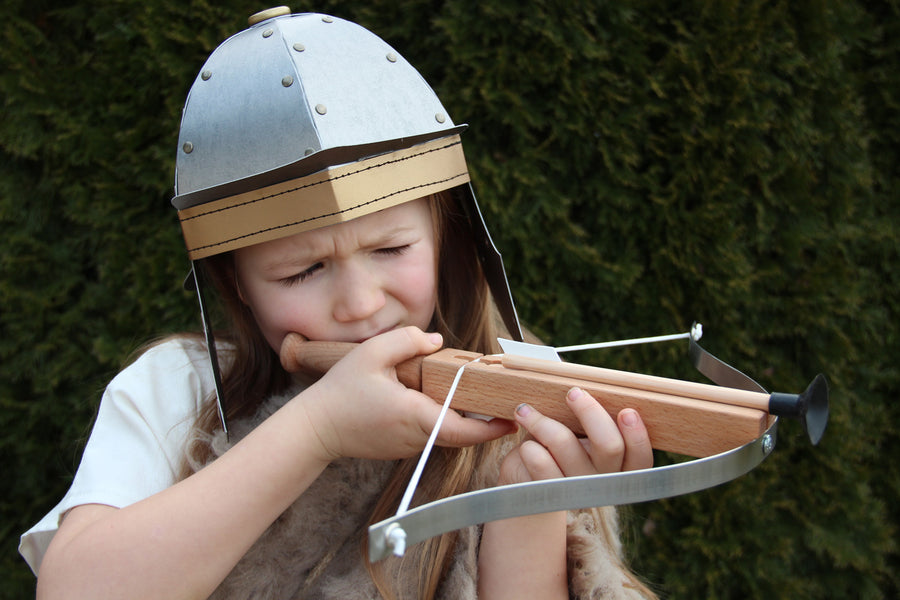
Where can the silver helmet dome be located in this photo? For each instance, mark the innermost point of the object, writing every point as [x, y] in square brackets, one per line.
[294, 94]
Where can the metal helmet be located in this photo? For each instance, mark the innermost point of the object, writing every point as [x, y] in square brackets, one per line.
[306, 120]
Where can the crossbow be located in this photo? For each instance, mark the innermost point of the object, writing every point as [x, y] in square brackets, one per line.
[728, 428]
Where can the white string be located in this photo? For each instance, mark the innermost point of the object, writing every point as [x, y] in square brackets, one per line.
[426, 451]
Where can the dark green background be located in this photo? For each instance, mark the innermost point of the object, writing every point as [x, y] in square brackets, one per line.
[641, 165]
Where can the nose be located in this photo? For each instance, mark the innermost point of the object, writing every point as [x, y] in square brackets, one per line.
[359, 294]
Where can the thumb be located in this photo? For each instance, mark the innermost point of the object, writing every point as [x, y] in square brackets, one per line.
[399, 345]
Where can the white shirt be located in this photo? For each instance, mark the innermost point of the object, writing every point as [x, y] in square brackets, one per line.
[137, 443]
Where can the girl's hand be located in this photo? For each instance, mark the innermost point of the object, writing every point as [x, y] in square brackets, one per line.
[526, 556]
[360, 409]
[552, 450]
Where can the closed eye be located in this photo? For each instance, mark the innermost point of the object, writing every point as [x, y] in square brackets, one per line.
[301, 276]
[394, 250]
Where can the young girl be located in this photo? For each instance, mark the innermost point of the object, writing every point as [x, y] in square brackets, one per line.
[322, 191]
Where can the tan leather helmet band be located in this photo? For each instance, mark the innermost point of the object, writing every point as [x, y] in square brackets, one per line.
[323, 198]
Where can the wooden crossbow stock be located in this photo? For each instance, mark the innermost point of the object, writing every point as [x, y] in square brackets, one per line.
[729, 428]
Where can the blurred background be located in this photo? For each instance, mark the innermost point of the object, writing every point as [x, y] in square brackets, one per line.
[641, 165]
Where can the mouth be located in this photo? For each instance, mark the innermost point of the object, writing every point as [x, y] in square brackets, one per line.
[385, 330]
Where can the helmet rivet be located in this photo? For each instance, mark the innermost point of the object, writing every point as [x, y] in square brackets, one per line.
[327, 20]
[440, 117]
[187, 147]
[299, 47]
[391, 57]
[320, 108]
[287, 81]
[268, 33]
[205, 75]
[308, 152]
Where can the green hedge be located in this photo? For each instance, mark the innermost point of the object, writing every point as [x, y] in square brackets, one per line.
[641, 165]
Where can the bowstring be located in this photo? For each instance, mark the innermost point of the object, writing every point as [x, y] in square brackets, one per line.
[426, 451]
[695, 333]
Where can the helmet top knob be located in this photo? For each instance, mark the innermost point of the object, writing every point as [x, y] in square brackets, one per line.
[269, 13]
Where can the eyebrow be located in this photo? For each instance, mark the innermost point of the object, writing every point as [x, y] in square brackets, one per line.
[307, 256]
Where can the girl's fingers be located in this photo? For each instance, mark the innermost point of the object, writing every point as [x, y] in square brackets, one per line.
[458, 431]
[564, 448]
[539, 462]
[638, 451]
[530, 461]
[513, 469]
[552, 450]
[605, 444]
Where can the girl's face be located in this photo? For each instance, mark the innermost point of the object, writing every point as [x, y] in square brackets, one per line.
[345, 282]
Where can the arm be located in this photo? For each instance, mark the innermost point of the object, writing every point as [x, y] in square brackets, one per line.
[526, 557]
[183, 541]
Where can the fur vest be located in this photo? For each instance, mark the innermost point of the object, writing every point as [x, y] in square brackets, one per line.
[315, 548]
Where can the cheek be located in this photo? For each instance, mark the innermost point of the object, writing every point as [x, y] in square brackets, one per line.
[281, 311]
[417, 289]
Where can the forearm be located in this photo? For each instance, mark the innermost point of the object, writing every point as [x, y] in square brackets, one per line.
[183, 541]
[524, 557]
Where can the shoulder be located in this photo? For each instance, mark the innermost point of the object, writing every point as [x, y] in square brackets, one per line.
[148, 409]
[159, 394]
[180, 361]
[183, 351]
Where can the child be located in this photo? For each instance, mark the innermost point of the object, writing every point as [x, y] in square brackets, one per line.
[322, 190]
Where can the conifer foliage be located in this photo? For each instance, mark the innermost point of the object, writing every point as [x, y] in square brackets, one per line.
[640, 164]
